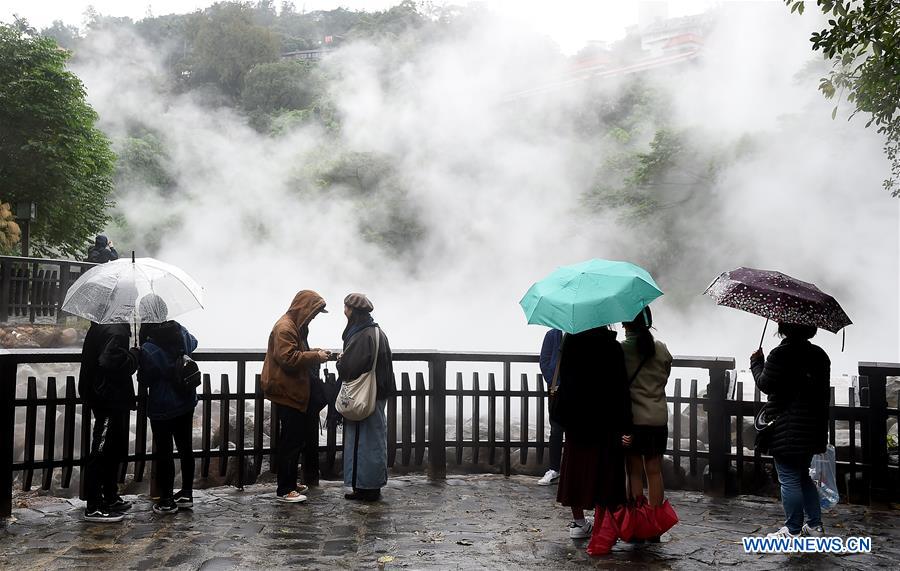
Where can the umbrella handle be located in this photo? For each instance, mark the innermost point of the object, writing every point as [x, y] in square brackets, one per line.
[763, 336]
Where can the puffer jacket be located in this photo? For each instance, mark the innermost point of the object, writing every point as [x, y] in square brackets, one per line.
[160, 353]
[796, 377]
[107, 365]
[285, 377]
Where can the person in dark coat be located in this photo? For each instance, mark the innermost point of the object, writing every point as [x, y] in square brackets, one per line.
[105, 384]
[595, 411]
[549, 360]
[169, 407]
[365, 441]
[796, 377]
[102, 251]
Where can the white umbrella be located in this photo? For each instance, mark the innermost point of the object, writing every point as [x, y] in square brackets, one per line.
[112, 292]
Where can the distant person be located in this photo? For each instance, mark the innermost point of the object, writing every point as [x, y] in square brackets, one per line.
[287, 371]
[595, 411]
[549, 361]
[365, 441]
[102, 251]
[170, 407]
[797, 378]
[648, 364]
[105, 384]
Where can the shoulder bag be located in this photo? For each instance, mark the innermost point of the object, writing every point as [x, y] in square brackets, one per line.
[356, 401]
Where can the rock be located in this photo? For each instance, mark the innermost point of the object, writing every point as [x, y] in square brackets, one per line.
[68, 337]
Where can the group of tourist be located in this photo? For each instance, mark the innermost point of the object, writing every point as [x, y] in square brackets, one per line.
[290, 380]
[609, 400]
[607, 397]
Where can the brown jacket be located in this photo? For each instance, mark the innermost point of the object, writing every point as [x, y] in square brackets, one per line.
[285, 372]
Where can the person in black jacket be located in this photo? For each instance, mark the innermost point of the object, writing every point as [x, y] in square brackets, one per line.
[796, 378]
[594, 408]
[102, 251]
[105, 384]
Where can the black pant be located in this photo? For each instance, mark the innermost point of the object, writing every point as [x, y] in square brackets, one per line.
[298, 433]
[556, 445]
[109, 448]
[180, 430]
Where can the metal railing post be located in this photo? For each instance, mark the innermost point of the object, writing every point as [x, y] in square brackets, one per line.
[8, 368]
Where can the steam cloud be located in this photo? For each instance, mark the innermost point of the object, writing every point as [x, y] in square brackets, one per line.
[497, 180]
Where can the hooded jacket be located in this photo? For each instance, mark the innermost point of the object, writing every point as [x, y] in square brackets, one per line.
[107, 365]
[285, 373]
[164, 344]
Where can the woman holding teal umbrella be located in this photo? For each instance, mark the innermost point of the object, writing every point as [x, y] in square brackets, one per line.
[594, 403]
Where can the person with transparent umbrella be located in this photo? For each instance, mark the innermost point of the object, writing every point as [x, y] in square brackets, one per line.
[107, 295]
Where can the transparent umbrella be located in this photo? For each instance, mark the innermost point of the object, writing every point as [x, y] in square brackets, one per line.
[113, 292]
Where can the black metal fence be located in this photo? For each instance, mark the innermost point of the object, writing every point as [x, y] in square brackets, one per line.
[33, 289]
[709, 447]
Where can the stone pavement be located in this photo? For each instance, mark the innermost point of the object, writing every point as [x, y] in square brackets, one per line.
[467, 522]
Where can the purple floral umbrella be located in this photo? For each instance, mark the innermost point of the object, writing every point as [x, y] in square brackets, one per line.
[778, 297]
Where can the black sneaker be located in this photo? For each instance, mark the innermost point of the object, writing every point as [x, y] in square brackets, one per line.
[165, 507]
[99, 515]
[184, 500]
[118, 505]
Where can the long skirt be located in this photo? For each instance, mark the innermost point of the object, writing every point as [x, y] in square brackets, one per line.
[365, 450]
[592, 474]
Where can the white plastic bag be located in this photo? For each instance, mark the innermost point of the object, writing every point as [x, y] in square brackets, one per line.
[823, 471]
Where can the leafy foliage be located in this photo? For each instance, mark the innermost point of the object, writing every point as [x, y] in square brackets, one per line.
[862, 41]
[51, 153]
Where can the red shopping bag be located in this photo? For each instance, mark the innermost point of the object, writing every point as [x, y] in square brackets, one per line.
[605, 532]
[665, 517]
[645, 525]
[625, 521]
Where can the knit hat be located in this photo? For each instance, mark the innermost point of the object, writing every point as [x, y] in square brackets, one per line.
[359, 301]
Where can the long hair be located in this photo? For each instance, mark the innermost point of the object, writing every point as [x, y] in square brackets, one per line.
[641, 325]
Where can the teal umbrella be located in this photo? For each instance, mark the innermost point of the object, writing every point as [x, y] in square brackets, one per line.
[590, 294]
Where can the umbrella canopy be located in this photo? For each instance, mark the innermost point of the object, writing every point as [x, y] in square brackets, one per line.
[778, 297]
[588, 295]
[112, 292]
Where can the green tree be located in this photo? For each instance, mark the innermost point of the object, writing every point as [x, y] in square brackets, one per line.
[283, 85]
[51, 152]
[862, 41]
[228, 44]
[66, 36]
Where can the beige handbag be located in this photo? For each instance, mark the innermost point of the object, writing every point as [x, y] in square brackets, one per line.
[356, 401]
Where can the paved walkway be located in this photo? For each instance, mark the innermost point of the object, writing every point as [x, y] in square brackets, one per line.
[468, 522]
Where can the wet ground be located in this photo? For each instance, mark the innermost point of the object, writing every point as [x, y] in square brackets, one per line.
[467, 522]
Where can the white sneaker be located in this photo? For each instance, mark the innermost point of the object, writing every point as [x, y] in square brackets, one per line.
[817, 531]
[549, 478]
[783, 532]
[292, 497]
[581, 531]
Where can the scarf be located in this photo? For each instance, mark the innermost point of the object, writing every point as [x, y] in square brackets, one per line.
[358, 321]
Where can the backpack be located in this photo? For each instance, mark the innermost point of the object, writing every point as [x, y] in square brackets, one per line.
[187, 373]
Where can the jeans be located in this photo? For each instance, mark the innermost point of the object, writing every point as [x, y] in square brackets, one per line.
[109, 448]
[556, 445]
[798, 494]
[298, 433]
[179, 429]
